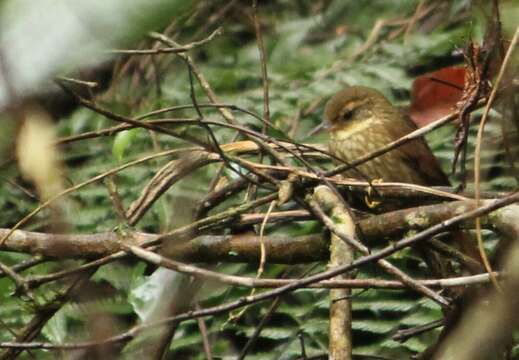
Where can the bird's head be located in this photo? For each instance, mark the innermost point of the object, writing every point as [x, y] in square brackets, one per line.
[353, 105]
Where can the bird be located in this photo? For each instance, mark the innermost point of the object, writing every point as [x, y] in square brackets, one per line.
[362, 120]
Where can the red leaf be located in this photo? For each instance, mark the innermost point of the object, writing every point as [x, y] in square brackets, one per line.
[435, 94]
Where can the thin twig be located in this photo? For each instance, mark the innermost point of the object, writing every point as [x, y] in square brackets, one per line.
[263, 61]
[205, 336]
[263, 250]
[257, 331]
[176, 49]
[477, 153]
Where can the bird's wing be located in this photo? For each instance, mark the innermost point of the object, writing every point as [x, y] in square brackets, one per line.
[419, 156]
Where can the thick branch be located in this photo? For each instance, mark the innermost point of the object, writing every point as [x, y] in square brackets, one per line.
[245, 248]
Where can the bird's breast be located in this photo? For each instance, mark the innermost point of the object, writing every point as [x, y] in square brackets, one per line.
[352, 142]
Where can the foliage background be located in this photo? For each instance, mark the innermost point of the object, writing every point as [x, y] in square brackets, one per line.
[303, 39]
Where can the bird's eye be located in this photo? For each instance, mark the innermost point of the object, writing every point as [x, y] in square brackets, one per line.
[347, 115]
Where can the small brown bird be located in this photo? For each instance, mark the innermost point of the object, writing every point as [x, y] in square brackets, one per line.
[362, 120]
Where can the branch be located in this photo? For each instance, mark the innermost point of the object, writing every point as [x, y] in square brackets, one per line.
[245, 247]
[300, 283]
[331, 200]
[341, 253]
[176, 49]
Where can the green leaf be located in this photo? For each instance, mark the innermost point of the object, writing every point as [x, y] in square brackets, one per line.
[122, 142]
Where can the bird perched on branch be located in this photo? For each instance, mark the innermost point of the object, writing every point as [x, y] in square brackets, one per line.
[362, 120]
